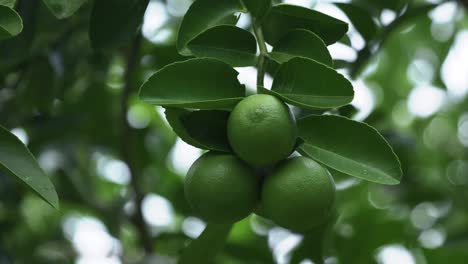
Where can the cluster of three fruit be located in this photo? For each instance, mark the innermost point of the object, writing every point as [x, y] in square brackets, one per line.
[297, 193]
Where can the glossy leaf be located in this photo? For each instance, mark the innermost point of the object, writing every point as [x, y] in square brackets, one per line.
[361, 19]
[257, 8]
[205, 129]
[301, 43]
[205, 248]
[310, 84]
[63, 9]
[202, 15]
[114, 25]
[10, 23]
[283, 18]
[9, 3]
[230, 44]
[16, 160]
[197, 83]
[350, 147]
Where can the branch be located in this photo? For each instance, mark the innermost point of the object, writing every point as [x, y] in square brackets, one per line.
[125, 145]
[373, 47]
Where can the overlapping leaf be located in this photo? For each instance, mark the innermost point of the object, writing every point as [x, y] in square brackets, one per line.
[231, 44]
[301, 43]
[205, 129]
[202, 83]
[283, 18]
[350, 147]
[202, 15]
[10, 23]
[310, 84]
[17, 161]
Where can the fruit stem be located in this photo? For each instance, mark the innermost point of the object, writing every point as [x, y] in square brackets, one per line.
[263, 54]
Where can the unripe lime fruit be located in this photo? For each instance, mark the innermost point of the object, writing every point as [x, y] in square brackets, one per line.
[221, 188]
[299, 195]
[262, 130]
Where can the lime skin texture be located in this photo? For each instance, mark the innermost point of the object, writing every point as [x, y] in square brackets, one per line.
[221, 188]
[262, 130]
[298, 195]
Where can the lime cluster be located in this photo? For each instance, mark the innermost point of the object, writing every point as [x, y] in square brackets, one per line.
[296, 193]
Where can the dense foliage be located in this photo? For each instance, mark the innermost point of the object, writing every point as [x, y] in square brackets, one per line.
[79, 133]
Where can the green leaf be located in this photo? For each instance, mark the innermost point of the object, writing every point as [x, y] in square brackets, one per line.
[64, 8]
[315, 242]
[350, 147]
[230, 44]
[257, 8]
[345, 40]
[201, 83]
[283, 18]
[114, 25]
[301, 43]
[202, 15]
[205, 248]
[38, 89]
[310, 84]
[10, 23]
[361, 19]
[205, 129]
[348, 111]
[16, 160]
[9, 3]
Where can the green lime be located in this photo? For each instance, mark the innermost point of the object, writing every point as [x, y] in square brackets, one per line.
[262, 130]
[221, 188]
[299, 195]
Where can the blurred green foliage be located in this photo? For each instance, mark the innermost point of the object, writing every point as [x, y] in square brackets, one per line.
[67, 98]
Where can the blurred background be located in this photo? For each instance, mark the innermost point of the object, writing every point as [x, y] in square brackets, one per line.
[119, 168]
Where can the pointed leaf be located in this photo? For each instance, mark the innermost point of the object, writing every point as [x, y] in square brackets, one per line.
[230, 44]
[205, 129]
[310, 84]
[361, 19]
[63, 9]
[205, 248]
[345, 40]
[301, 43]
[350, 147]
[202, 15]
[16, 160]
[10, 23]
[283, 18]
[315, 242]
[197, 83]
[114, 25]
